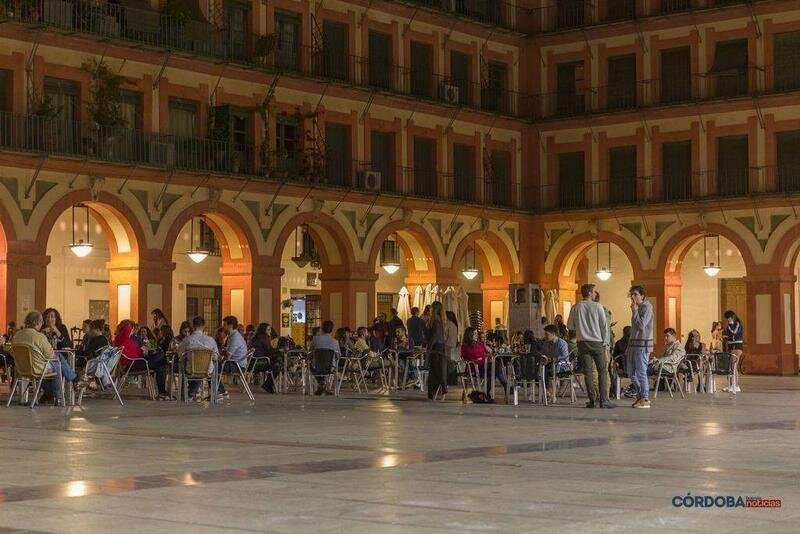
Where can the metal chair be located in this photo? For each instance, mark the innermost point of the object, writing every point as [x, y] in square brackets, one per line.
[721, 365]
[695, 364]
[32, 366]
[559, 377]
[107, 359]
[253, 361]
[531, 377]
[200, 367]
[671, 380]
[149, 380]
[324, 363]
[352, 365]
[238, 371]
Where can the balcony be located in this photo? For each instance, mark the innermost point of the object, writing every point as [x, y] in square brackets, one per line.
[59, 138]
[504, 15]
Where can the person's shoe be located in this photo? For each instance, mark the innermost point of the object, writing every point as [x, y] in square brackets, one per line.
[269, 388]
[726, 389]
[590, 404]
[320, 390]
[607, 404]
[736, 389]
[641, 403]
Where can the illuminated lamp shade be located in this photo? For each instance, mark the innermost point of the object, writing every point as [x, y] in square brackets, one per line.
[79, 247]
[711, 268]
[603, 273]
[390, 257]
[197, 255]
[470, 270]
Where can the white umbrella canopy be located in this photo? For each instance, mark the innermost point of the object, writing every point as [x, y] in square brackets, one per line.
[403, 306]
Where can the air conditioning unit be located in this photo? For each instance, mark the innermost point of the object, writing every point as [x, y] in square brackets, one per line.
[371, 180]
[162, 154]
[312, 279]
[449, 5]
[451, 94]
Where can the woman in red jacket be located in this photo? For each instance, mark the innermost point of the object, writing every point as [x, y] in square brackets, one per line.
[473, 350]
[132, 350]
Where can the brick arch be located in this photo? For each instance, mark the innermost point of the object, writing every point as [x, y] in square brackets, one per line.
[422, 240]
[321, 227]
[495, 258]
[579, 244]
[675, 249]
[224, 221]
[110, 211]
[787, 251]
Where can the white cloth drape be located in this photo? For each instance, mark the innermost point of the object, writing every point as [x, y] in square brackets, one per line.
[463, 310]
[419, 298]
[551, 305]
[403, 307]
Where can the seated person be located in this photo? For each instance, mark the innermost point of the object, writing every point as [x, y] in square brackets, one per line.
[235, 351]
[670, 358]
[261, 344]
[197, 339]
[362, 342]
[324, 341]
[375, 342]
[557, 352]
[30, 335]
[133, 353]
[473, 350]
[95, 354]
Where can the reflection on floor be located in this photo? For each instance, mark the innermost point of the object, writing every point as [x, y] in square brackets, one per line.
[386, 464]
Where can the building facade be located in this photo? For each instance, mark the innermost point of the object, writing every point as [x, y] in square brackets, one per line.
[290, 140]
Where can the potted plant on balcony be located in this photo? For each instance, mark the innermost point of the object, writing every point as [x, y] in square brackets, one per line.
[104, 110]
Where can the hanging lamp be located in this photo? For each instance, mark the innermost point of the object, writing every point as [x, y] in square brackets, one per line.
[199, 254]
[80, 247]
[711, 268]
[603, 269]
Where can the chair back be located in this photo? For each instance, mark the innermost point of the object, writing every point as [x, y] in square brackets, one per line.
[110, 355]
[323, 361]
[29, 362]
[722, 363]
[199, 361]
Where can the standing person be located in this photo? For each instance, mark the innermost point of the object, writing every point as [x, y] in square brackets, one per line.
[451, 337]
[159, 319]
[416, 328]
[716, 344]
[641, 344]
[437, 376]
[395, 322]
[734, 337]
[588, 320]
[380, 328]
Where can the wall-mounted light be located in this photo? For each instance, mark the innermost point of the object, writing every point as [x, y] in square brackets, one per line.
[711, 268]
[198, 254]
[470, 270]
[79, 247]
[603, 267]
[390, 256]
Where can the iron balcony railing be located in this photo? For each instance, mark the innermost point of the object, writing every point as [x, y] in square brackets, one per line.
[506, 15]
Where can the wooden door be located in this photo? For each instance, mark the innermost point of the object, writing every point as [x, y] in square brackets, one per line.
[733, 296]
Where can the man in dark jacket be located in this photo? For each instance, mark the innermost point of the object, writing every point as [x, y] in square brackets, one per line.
[416, 328]
[394, 323]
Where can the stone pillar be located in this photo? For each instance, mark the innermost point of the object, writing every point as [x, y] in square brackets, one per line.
[154, 286]
[348, 295]
[664, 293]
[24, 273]
[493, 290]
[127, 298]
[265, 303]
[769, 337]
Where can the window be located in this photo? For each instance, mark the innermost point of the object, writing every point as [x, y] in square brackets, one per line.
[63, 96]
[788, 146]
[569, 13]
[672, 6]
[677, 170]
[128, 144]
[182, 118]
[676, 76]
[421, 69]
[338, 156]
[425, 177]
[382, 154]
[463, 172]
[787, 61]
[287, 36]
[622, 175]
[569, 101]
[286, 143]
[620, 9]
[494, 95]
[380, 60]
[729, 73]
[237, 24]
[335, 53]
[460, 76]
[500, 185]
[130, 108]
[732, 165]
[5, 91]
[571, 180]
[622, 82]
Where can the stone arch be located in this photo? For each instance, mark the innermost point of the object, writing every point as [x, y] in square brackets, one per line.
[417, 244]
[496, 260]
[7, 289]
[329, 236]
[784, 252]
[567, 258]
[674, 249]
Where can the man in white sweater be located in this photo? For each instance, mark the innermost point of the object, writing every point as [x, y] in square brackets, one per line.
[589, 322]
